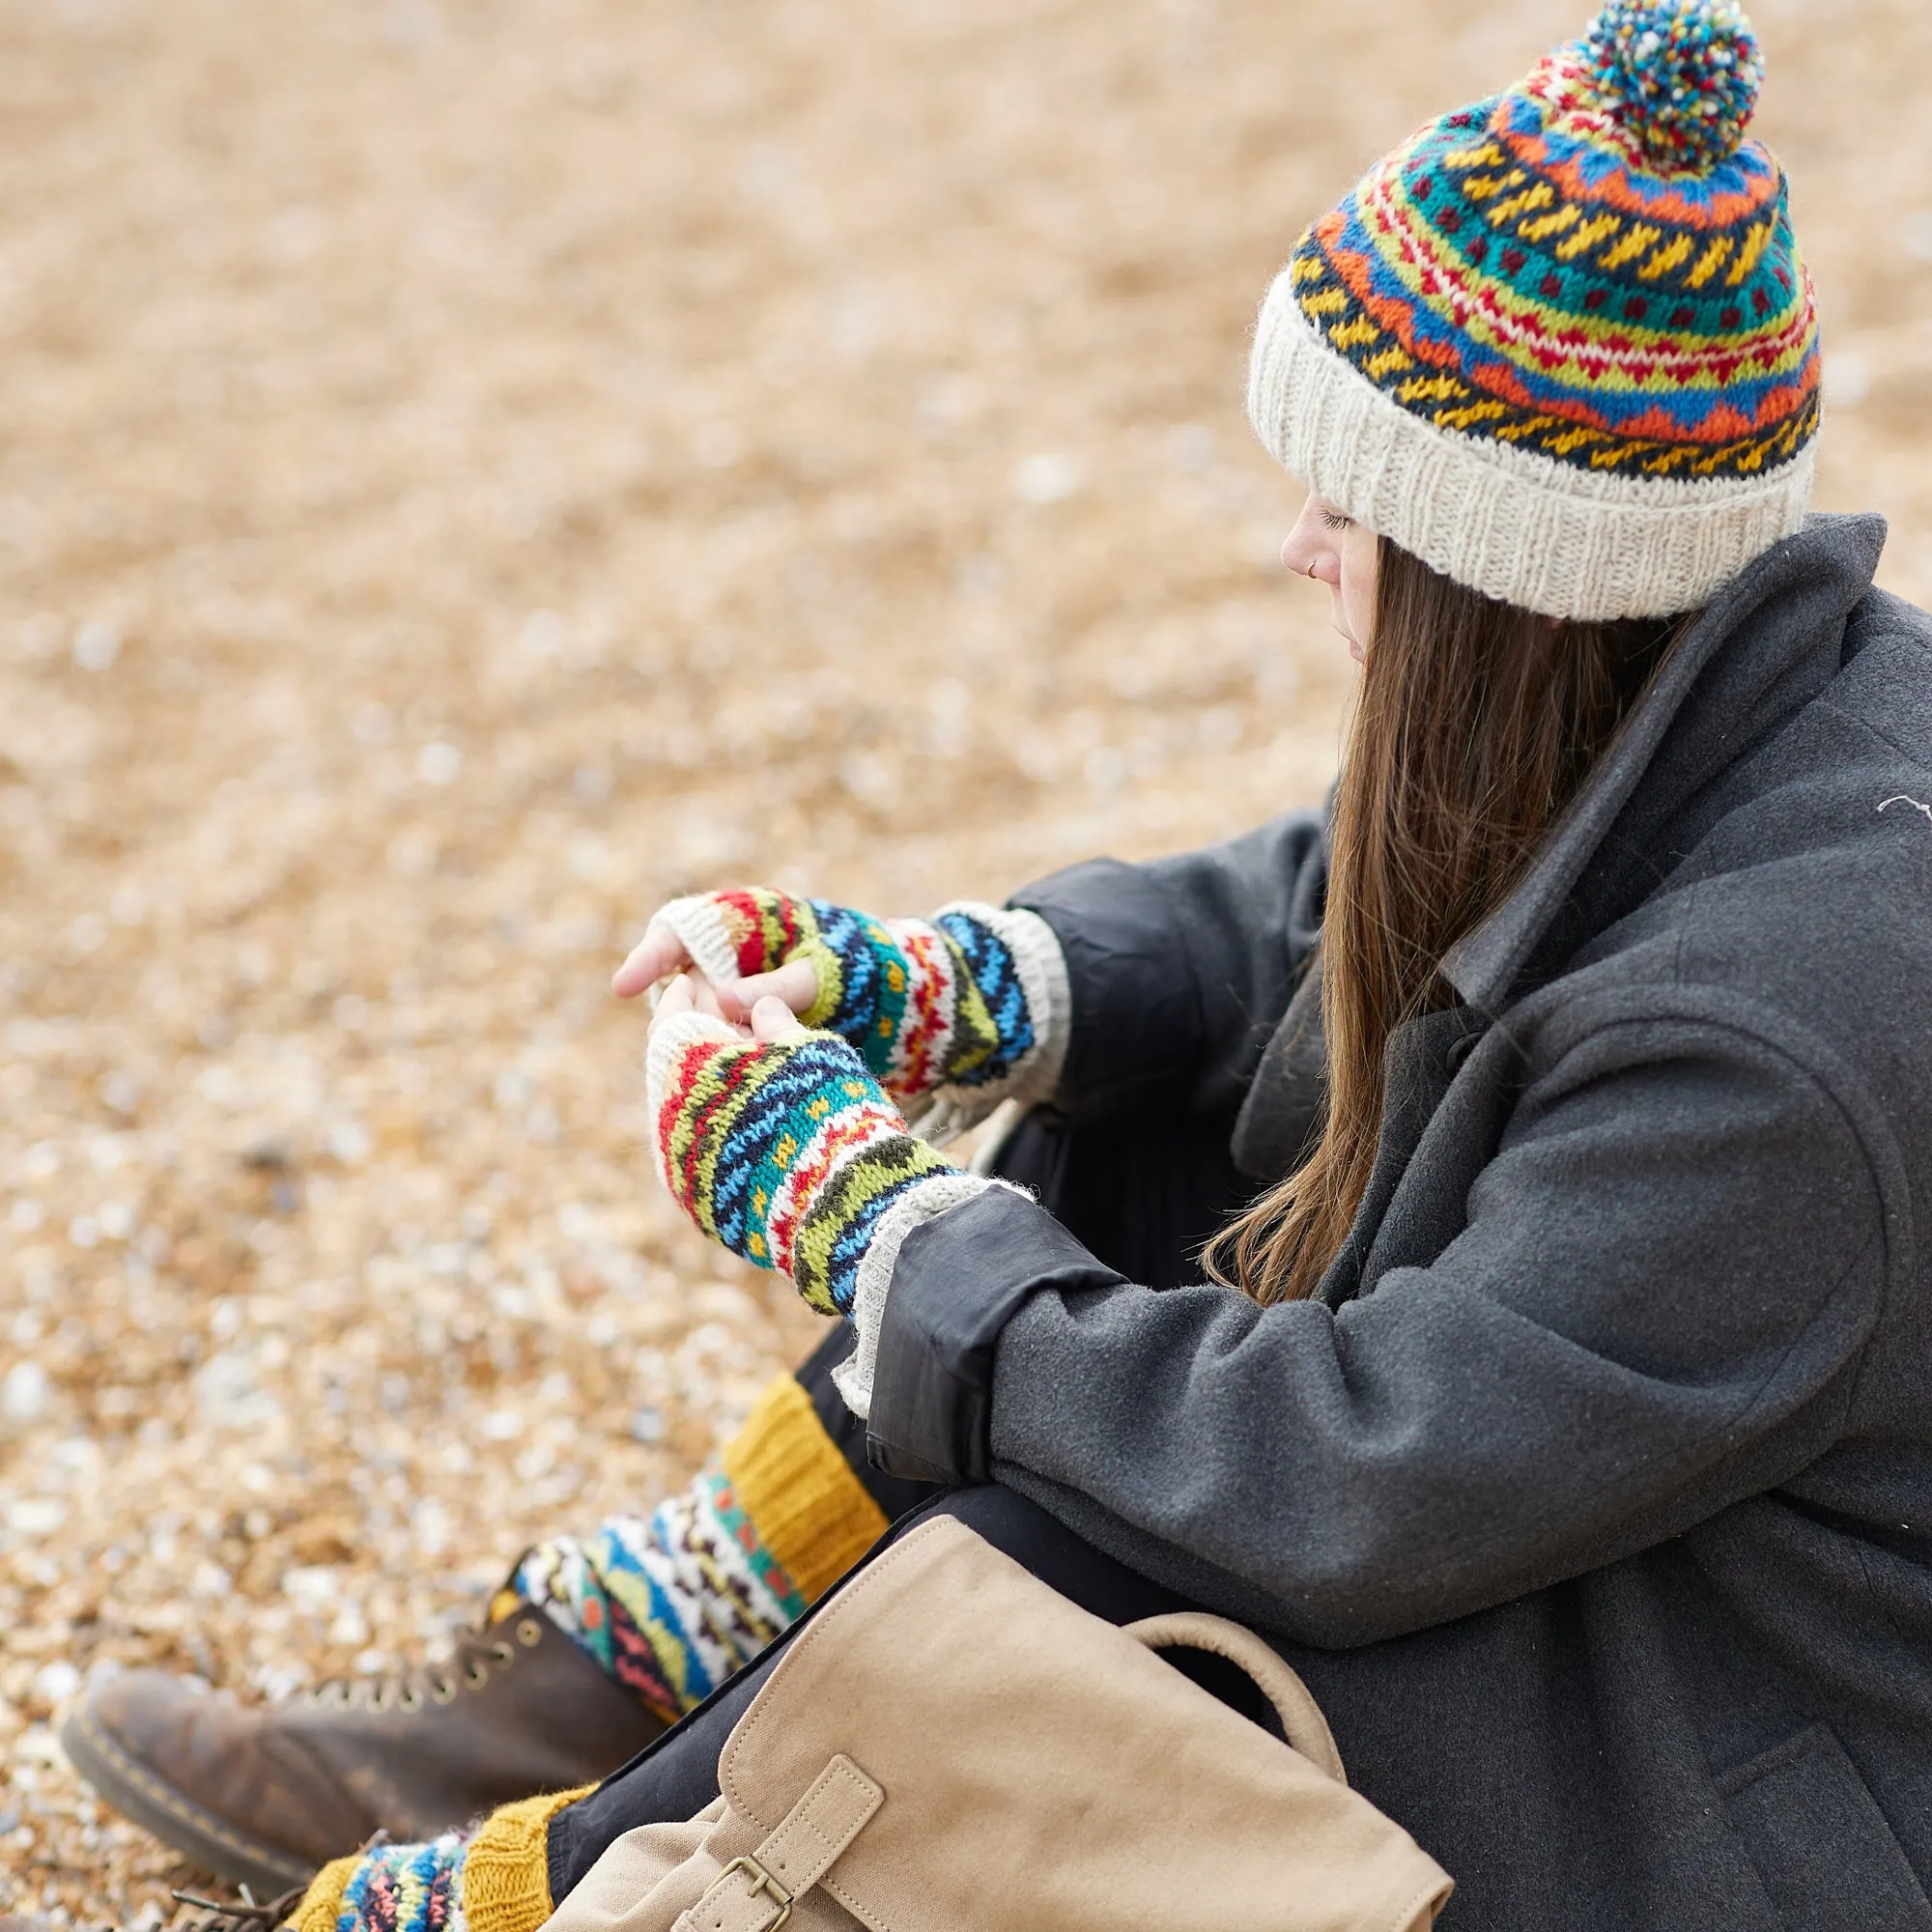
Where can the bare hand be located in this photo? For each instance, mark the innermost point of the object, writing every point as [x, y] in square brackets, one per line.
[770, 1019]
[661, 952]
[656, 956]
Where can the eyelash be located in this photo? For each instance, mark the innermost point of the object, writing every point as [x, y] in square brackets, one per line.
[1334, 521]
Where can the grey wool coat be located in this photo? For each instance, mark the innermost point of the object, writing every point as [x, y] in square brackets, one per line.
[1592, 1494]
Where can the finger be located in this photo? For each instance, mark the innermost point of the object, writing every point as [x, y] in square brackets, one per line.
[677, 998]
[704, 999]
[679, 1011]
[772, 1019]
[704, 996]
[655, 956]
[796, 985]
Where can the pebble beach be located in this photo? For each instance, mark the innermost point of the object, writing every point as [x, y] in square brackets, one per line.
[470, 472]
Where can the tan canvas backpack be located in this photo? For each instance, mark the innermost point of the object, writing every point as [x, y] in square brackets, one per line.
[952, 1745]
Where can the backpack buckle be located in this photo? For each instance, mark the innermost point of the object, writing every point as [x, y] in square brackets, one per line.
[758, 1879]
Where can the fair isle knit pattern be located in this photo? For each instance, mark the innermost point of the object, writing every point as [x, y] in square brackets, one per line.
[786, 1152]
[495, 1878]
[972, 1000]
[407, 1889]
[1560, 344]
[671, 1604]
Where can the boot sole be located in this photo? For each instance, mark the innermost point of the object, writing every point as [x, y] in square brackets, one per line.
[137, 1792]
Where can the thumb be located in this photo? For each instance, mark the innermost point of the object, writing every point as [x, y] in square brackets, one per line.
[773, 1020]
[657, 955]
[795, 983]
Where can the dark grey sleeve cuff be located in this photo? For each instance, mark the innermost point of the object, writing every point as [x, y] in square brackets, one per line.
[1136, 1013]
[960, 1279]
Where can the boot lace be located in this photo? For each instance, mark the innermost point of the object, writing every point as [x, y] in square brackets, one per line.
[478, 1655]
[243, 1914]
[246, 1913]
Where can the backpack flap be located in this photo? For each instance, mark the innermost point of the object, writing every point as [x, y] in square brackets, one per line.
[1042, 1767]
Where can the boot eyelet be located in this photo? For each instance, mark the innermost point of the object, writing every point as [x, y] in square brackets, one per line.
[530, 1634]
[477, 1675]
[442, 1691]
[410, 1701]
[503, 1654]
[379, 1698]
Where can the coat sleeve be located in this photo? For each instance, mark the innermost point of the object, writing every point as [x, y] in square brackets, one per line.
[1655, 1307]
[1180, 969]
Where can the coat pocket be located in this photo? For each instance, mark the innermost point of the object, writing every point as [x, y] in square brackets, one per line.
[1820, 1843]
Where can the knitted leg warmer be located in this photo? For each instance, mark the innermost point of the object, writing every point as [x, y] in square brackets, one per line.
[671, 1604]
[493, 1879]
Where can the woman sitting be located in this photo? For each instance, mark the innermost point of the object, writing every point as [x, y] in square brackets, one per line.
[1558, 1401]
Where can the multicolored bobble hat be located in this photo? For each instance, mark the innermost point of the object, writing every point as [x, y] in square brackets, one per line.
[1560, 345]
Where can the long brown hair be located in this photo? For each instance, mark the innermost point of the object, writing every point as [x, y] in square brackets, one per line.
[1475, 724]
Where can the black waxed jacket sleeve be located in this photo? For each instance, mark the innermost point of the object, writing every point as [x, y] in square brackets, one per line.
[1657, 1306]
[1181, 968]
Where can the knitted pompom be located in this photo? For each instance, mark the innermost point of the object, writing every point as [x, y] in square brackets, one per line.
[1682, 75]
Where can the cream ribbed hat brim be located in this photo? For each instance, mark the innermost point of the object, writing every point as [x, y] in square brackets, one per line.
[1510, 522]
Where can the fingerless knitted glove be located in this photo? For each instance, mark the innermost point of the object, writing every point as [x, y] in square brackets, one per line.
[792, 1155]
[969, 1007]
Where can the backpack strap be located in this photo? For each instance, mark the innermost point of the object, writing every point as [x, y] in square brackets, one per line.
[1302, 1723]
[756, 1893]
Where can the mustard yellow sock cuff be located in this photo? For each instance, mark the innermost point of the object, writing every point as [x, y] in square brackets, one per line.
[321, 1903]
[809, 1509]
[507, 1868]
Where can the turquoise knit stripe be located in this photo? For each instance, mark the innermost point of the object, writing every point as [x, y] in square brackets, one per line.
[670, 1604]
[924, 1004]
[407, 1888]
[1595, 265]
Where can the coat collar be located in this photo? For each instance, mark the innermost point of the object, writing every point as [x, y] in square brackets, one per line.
[1722, 690]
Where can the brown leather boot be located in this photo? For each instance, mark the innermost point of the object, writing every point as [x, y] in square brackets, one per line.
[267, 1795]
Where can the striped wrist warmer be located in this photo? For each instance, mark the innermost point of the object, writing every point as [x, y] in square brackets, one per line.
[790, 1153]
[972, 1003]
